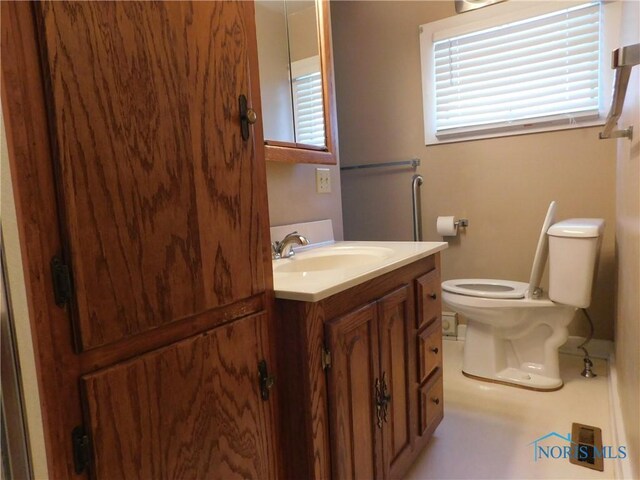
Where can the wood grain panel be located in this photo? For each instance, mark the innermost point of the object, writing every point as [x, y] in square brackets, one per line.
[190, 410]
[161, 207]
[396, 317]
[304, 429]
[355, 438]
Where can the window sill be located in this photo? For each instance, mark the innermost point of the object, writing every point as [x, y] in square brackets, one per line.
[525, 131]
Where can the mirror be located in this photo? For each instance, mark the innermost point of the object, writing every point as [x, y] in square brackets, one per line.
[296, 80]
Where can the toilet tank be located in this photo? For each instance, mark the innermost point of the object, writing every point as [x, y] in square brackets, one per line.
[574, 248]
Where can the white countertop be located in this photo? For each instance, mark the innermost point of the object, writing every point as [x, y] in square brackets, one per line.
[317, 273]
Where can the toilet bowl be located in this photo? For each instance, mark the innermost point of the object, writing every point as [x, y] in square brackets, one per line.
[514, 329]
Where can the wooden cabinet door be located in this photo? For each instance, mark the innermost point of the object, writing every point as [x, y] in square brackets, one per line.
[191, 410]
[355, 436]
[395, 320]
[161, 204]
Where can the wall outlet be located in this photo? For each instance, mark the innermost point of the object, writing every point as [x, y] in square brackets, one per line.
[450, 324]
[323, 180]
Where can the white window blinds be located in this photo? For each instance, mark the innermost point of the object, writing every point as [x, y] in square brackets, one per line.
[307, 101]
[539, 70]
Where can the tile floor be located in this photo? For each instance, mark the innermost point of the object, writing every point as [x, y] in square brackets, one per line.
[487, 428]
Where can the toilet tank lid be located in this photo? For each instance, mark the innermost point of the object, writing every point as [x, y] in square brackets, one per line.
[577, 228]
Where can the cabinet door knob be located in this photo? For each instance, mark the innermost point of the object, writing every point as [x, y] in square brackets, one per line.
[434, 350]
[433, 296]
[248, 116]
[252, 116]
[435, 400]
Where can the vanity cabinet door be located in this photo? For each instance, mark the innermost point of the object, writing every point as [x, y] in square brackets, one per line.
[397, 373]
[355, 435]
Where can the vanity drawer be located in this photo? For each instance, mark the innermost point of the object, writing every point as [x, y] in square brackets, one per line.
[429, 350]
[431, 405]
[429, 301]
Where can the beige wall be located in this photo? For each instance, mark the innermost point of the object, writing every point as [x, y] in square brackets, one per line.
[503, 186]
[628, 249]
[293, 197]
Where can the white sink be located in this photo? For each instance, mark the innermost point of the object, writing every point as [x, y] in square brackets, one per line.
[334, 257]
[317, 273]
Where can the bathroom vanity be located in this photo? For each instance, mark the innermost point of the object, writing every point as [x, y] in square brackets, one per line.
[360, 369]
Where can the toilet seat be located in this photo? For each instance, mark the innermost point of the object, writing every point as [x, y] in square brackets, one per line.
[486, 288]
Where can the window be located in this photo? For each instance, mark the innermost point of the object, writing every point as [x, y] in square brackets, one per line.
[529, 69]
[308, 102]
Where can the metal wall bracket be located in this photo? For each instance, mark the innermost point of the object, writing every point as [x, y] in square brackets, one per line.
[622, 61]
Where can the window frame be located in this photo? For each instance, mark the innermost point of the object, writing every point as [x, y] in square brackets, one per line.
[501, 14]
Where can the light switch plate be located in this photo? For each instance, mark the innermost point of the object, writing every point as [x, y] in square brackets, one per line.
[323, 180]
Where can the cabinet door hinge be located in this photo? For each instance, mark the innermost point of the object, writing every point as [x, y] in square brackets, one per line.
[266, 381]
[326, 359]
[81, 450]
[61, 277]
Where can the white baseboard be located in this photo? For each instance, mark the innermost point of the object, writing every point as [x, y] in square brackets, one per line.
[623, 469]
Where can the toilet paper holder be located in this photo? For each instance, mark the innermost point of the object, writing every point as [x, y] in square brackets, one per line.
[463, 222]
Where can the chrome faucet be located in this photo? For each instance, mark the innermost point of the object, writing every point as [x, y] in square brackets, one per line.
[284, 248]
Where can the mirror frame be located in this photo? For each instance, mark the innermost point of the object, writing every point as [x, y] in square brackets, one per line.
[289, 152]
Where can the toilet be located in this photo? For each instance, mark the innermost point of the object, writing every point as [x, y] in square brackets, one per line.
[514, 329]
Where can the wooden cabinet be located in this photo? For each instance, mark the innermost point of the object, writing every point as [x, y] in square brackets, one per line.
[136, 170]
[363, 376]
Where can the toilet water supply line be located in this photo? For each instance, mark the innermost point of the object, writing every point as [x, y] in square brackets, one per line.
[588, 364]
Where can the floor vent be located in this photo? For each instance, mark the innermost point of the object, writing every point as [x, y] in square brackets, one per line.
[587, 443]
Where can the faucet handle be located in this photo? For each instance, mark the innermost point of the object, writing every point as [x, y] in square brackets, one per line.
[275, 249]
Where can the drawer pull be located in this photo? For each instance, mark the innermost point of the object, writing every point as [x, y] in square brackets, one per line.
[435, 400]
[434, 350]
[433, 296]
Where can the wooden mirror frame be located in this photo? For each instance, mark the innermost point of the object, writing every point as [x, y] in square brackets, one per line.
[289, 152]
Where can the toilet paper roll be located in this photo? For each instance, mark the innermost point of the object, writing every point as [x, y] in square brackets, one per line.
[446, 226]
